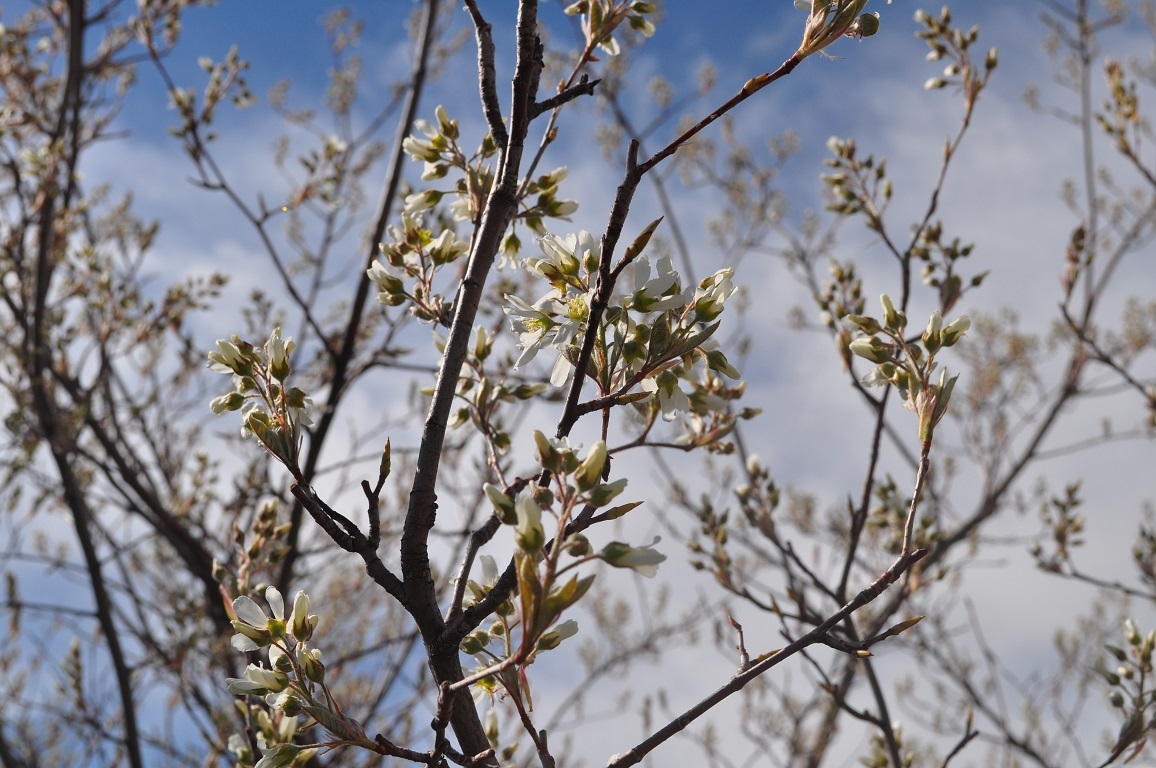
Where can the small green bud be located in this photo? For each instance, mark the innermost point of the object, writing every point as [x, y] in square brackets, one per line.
[578, 546]
[472, 644]
[868, 24]
[717, 361]
[291, 706]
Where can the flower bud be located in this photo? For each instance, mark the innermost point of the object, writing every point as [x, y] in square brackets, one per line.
[589, 472]
[871, 348]
[932, 339]
[310, 661]
[225, 403]
[644, 560]
[895, 321]
[578, 546]
[268, 679]
[301, 624]
[503, 505]
[229, 358]
[278, 350]
[548, 455]
[867, 325]
[954, 330]
[529, 533]
[554, 637]
[279, 660]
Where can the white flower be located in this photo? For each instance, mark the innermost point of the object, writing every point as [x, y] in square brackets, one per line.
[560, 373]
[278, 350]
[644, 560]
[230, 402]
[549, 322]
[588, 251]
[529, 532]
[558, 262]
[254, 628]
[533, 326]
[302, 416]
[712, 293]
[462, 208]
[420, 149]
[671, 399]
[257, 680]
[278, 756]
[445, 247]
[227, 358]
[876, 377]
[301, 623]
[422, 201]
[554, 637]
[560, 209]
[657, 294]
[489, 570]
[954, 330]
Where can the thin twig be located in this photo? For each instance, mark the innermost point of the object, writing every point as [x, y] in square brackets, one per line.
[741, 679]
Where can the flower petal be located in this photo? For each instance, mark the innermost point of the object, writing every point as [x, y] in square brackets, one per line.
[249, 612]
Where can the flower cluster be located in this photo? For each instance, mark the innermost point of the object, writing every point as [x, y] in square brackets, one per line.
[828, 20]
[530, 623]
[655, 336]
[858, 185]
[292, 686]
[1132, 691]
[954, 45]
[908, 366]
[601, 17]
[415, 255]
[271, 411]
[438, 149]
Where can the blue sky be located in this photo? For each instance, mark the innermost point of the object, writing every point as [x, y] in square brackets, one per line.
[1003, 196]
